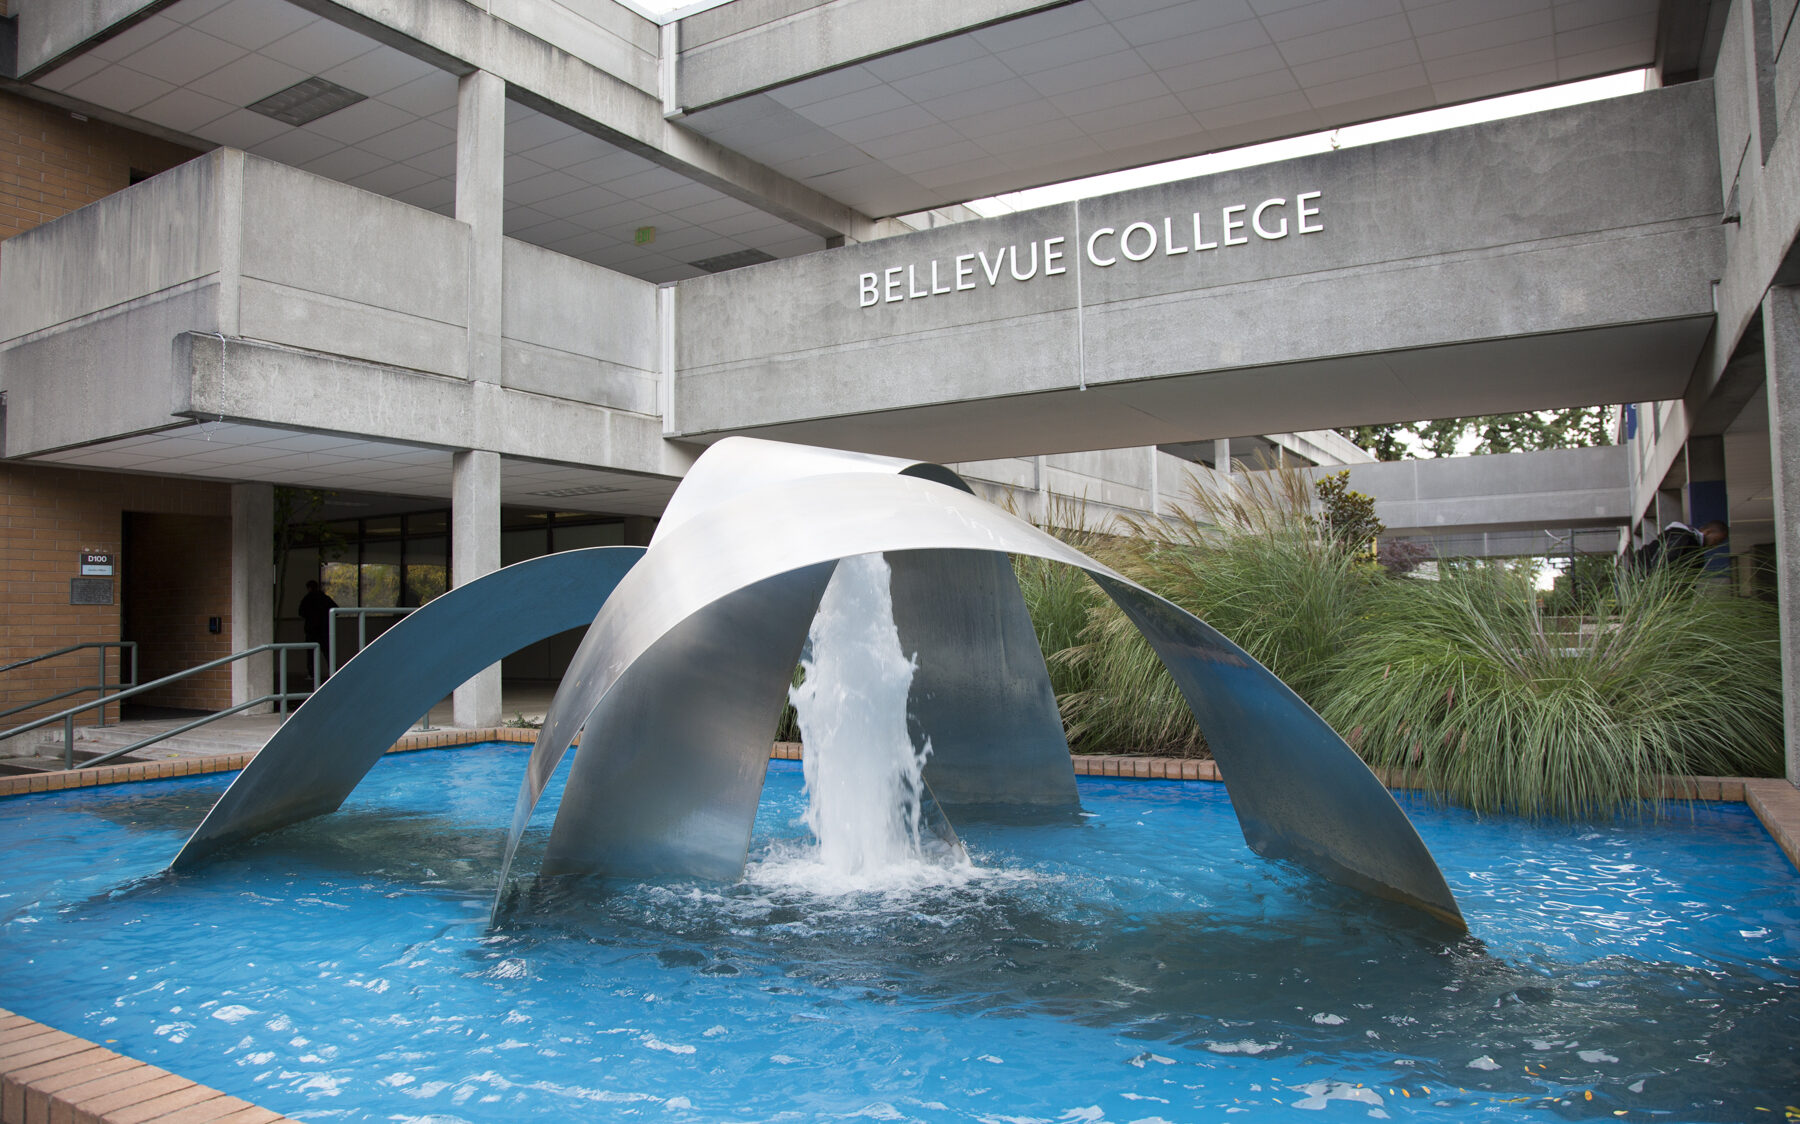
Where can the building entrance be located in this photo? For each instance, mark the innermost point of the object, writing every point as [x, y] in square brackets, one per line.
[175, 604]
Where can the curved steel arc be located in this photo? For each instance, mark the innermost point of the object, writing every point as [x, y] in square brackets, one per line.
[983, 694]
[333, 740]
[1299, 791]
[738, 465]
[673, 758]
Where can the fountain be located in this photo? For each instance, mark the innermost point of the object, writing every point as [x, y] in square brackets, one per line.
[678, 684]
[1116, 958]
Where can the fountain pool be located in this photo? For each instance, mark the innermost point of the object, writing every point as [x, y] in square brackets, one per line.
[1131, 962]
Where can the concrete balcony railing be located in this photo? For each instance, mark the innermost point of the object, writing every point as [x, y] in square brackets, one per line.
[237, 286]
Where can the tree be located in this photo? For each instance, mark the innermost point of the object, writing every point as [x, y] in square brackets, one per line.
[297, 521]
[1498, 433]
[1348, 517]
[1384, 441]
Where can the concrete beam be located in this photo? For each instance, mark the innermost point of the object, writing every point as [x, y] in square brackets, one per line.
[742, 48]
[234, 286]
[463, 37]
[51, 31]
[1473, 290]
[1560, 488]
[1758, 245]
[240, 380]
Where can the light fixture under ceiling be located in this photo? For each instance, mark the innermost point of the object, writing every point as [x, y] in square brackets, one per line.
[586, 490]
[306, 102]
[737, 259]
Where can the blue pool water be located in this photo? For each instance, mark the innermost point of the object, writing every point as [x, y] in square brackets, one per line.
[1130, 963]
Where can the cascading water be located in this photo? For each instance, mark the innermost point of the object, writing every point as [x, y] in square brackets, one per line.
[867, 802]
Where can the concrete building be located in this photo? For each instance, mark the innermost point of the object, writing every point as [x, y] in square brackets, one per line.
[495, 272]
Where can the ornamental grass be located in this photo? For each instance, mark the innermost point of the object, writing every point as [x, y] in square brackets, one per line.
[1245, 557]
[1462, 683]
[1465, 690]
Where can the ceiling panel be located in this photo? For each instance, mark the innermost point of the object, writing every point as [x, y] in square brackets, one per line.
[1097, 85]
[197, 65]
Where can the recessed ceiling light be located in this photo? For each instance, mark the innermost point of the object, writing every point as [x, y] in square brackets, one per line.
[307, 101]
[586, 490]
[737, 259]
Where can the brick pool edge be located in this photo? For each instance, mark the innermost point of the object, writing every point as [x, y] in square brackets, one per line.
[48, 1077]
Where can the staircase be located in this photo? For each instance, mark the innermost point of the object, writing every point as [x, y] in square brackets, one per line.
[42, 750]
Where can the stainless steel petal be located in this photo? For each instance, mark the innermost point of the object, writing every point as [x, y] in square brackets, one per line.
[1299, 790]
[338, 734]
[1300, 793]
[671, 765]
[738, 465]
[981, 692]
[1012, 671]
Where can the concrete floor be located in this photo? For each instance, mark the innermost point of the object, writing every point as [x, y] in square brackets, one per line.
[237, 733]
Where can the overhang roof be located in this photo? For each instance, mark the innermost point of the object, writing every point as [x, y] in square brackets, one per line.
[924, 105]
[1092, 86]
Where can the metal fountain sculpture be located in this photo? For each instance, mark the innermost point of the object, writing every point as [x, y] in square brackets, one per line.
[678, 685]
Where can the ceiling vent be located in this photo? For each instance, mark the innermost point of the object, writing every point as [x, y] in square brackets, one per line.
[585, 490]
[306, 102]
[737, 259]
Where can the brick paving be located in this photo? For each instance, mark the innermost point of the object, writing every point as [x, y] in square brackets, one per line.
[48, 1077]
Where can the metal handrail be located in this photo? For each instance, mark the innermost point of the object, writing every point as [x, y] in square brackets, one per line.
[67, 717]
[362, 613]
[103, 686]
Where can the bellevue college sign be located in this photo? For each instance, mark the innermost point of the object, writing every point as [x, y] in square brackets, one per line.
[1104, 247]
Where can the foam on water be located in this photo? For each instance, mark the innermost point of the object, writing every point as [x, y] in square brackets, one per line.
[864, 776]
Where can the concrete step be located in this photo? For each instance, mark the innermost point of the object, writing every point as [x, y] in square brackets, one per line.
[52, 761]
[237, 734]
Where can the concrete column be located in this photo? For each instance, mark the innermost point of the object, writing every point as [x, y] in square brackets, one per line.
[1040, 489]
[1705, 495]
[253, 589]
[474, 552]
[639, 529]
[1668, 508]
[481, 203]
[1155, 483]
[475, 483]
[1222, 456]
[1781, 344]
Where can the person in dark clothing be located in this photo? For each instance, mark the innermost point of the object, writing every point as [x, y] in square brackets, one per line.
[315, 618]
[1681, 545]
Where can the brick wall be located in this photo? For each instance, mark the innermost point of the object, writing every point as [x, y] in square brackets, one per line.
[50, 163]
[48, 516]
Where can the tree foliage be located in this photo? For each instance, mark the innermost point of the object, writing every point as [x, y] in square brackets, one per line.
[1495, 433]
[1348, 518]
[299, 519]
